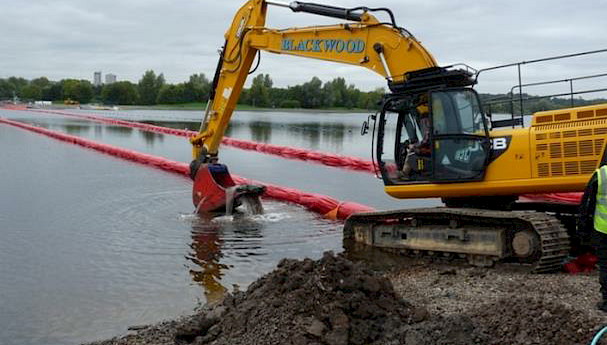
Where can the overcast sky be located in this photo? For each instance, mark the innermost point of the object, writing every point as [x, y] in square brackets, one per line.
[73, 38]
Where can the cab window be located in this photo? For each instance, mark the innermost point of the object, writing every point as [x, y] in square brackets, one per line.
[457, 112]
[460, 145]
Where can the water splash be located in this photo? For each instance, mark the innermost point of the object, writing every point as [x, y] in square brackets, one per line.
[274, 217]
[252, 204]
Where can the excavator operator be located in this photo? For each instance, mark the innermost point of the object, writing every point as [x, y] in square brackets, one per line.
[416, 152]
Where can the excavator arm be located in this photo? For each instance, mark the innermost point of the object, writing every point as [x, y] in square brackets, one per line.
[383, 48]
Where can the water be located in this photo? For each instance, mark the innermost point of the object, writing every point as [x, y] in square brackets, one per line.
[329, 132]
[92, 244]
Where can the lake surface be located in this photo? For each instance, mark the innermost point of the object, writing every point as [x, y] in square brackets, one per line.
[92, 244]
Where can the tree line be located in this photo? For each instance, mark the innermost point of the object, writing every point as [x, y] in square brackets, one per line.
[313, 94]
[152, 89]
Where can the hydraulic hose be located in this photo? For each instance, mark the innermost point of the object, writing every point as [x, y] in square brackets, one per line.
[598, 336]
[325, 10]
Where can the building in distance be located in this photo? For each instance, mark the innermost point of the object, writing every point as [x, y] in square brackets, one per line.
[97, 79]
[110, 78]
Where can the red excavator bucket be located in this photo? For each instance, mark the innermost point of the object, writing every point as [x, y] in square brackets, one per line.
[214, 187]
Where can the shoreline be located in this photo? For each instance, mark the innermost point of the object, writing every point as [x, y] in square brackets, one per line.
[197, 107]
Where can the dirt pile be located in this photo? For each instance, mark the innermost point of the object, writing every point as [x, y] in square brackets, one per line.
[330, 301]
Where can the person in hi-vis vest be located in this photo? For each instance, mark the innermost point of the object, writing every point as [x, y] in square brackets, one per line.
[592, 224]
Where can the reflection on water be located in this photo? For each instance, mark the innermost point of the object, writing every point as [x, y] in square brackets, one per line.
[151, 137]
[261, 131]
[193, 126]
[209, 235]
[311, 132]
[228, 132]
[206, 256]
[310, 135]
[77, 129]
[98, 130]
[120, 131]
[317, 135]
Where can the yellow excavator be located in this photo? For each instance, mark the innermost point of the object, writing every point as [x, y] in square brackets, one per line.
[431, 139]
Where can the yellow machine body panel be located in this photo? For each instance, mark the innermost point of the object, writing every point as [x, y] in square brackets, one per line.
[558, 153]
[516, 155]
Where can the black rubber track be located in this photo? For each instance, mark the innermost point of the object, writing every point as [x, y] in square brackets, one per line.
[553, 245]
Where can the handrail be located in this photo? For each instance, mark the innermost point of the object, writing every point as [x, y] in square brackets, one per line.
[520, 84]
[558, 57]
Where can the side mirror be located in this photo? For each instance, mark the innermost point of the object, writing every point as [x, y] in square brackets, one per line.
[365, 128]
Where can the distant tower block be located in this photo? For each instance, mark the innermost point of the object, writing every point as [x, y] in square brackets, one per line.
[97, 79]
[110, 78]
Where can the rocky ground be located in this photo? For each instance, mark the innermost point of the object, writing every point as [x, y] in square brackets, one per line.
[390, 300]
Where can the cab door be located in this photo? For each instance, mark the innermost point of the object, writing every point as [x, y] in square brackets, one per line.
[460, 140]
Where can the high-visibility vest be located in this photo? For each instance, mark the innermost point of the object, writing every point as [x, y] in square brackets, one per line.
[600, 209]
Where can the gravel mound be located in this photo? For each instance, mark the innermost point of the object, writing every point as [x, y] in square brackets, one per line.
[535, 321]
[449, 330]
[508, 321]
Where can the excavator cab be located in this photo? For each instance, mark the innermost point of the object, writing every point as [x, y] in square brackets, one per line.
[439, 136]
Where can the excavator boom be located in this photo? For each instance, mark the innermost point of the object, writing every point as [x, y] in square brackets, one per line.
[385, 49]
